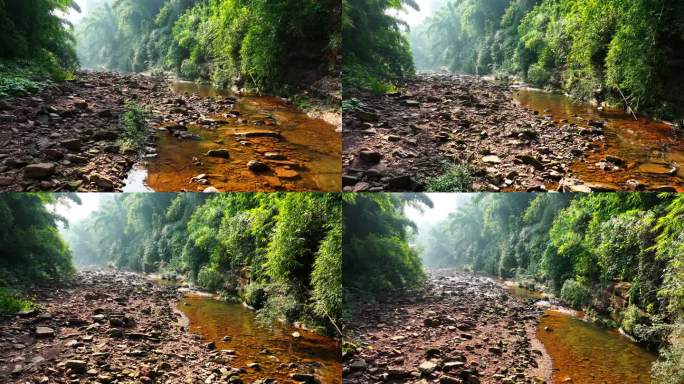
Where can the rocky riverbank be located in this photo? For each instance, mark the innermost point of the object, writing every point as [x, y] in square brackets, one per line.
[110, 327]
[67, 138]
[459, 328]
[400, 141]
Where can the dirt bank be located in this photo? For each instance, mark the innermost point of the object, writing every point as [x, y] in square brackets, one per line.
[459, 328]
[399, 141]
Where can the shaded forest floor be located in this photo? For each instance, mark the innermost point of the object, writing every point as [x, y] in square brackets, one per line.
[460, 328]
[402, 140]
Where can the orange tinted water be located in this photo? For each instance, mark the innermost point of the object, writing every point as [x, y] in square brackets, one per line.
[586, 353]
[310, 147]
[649, 147]
[214, 319]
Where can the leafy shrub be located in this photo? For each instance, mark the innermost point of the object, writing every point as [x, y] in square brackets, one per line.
[254, 295]
[631, 318]
[282, 305]
[537, 75]
[457, 178]
[133, 123]
[575, 294]
[11, 304]
[210, 279]
[669, 369]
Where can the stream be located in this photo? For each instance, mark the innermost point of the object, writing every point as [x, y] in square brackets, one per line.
[584, 352]
[301, 153]
[653, 155]
[235, 330]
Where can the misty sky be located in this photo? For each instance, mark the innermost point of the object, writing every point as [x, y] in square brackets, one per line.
[74, 212]
[444, 203]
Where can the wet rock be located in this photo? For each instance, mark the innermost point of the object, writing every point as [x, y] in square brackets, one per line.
[286, 173]
[296, 335]
[348, 181]
[39, 171]
[615, 160]
[220, 153]
[449, 380]
[257, 166]
[274, 156]
[211, 190]
[303, 378]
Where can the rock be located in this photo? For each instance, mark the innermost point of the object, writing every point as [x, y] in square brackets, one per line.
[370, 157]
[220, 153]
[210, 346]
[348, 181]
[358, 365]
[44, 332]
[303, 378]
[259, 133]
[427, 367]
[296, 335]
[449, 380]
[274, 156]
[79, 366]
[76, 159]
[411, 103]
[400, 183]
[72, 144]
[39, 171]
[530, 160]
[257, 166]
[615, 160]
[102, 181]
[211, 190]
[491, 159]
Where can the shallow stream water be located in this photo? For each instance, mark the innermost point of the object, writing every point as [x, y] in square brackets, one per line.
[584, 352]
[654, 155]
[308, 150]
[273, 347]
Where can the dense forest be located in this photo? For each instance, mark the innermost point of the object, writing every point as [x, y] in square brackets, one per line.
[274, 45]
[596, 50]
[279, 253]
[585, 249]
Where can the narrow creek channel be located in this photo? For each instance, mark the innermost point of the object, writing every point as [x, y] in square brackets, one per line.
[301, 153]
[235, 330]
[584, 352]
[653, 155]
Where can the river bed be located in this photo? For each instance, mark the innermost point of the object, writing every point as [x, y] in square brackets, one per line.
[654, 156]
[301, 153]
[278, 354]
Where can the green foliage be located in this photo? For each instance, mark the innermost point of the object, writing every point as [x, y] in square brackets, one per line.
[377, 54]
[31, 248]
[457, 178]
[280, 252]
[262, 44]
[575, 294]
[377, 256]
[10, 303]
[669, 369]
[133, 123]
[33, 31]
[591, 49]
[209, 278]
